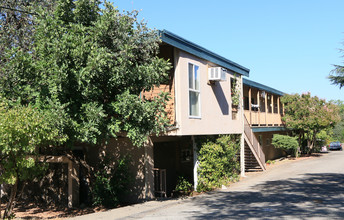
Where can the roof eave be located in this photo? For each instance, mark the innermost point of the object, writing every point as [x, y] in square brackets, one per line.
[262, 87]
[185, 45]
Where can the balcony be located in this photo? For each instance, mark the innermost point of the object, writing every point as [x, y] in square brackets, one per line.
[262, 105]
[257, 118]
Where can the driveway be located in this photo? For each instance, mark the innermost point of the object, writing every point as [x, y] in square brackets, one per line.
[311, 188]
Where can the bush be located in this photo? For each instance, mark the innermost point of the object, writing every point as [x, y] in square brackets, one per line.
[111, 182]
[183, 186]
[286, 143]
[24, 130]
[219, 162]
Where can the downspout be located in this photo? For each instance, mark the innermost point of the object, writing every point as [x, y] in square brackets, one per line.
[195, 162]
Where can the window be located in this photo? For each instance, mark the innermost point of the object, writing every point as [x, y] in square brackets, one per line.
[194, 91]
[186, 155]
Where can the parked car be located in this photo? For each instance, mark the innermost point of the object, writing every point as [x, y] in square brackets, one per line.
[335, 146]
[324, 149]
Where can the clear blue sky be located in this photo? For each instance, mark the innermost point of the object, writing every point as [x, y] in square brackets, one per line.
[289, 45]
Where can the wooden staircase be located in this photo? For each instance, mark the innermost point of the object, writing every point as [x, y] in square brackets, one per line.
[254, 155]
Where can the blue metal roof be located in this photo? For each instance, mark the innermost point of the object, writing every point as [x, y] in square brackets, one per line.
[185, 45]
[262, 87]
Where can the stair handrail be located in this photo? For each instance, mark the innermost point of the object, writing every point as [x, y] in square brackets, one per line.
[254, 143]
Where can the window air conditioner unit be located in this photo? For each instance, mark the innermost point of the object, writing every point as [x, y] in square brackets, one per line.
[217, 74]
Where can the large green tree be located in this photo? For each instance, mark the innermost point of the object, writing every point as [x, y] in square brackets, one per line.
[338, 130]
[17, 24]
[84, 64]
[89, 63]
[337, 74]
[307, 115]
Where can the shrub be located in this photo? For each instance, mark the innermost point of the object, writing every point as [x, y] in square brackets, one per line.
[111, 182]
[183, 186]
[24, 130]
[270, 162]
[286, 143]
[219, 162]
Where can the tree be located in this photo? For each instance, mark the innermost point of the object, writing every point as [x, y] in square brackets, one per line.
[337, 75]
[17, 23]
[308, 115]
[23, 129]
[338, 130]
[90, 64]
[86, 65]
[16, 28]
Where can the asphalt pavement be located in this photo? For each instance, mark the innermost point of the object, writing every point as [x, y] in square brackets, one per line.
[308, 188]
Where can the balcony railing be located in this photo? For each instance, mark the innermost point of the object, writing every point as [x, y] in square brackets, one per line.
[256, 118]
[254, 144]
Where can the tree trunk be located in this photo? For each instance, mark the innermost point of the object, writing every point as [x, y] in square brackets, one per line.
[299, 147]
[0, 198]
[11, 202]
[315, 139]
[309, 146]
[21, 192]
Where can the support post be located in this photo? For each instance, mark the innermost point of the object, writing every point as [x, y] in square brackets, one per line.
[195, 162]
[250, 104]
[73, 177]
[242, 155]
[258, 102]
[272, 104]
[149, 173]
[266, 108]
[278, 105]
[73, 184]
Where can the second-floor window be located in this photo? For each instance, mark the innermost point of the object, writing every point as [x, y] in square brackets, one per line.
[194, 91]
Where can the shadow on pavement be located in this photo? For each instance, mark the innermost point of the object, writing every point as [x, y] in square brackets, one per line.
[311, 195]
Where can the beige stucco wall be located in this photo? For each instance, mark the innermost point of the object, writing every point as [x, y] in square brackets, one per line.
[216, 111]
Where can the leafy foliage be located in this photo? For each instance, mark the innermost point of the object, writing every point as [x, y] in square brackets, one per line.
[22, 130]
[337, 74]
[90, 64]
[235, 91]
[219, 163]
[112, 182]
[16, 21]
[338, 130]
[308, 115]
[286, 143]
[83, 65]
[183, 185]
